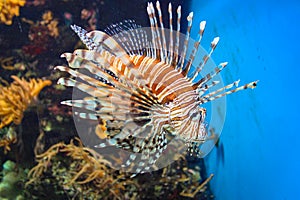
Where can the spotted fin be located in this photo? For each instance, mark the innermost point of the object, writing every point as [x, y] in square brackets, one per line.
[100, 42]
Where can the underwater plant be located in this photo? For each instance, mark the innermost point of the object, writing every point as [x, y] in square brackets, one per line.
[9, 64]
[9, 9]
[36, 2]
[12, 178]
[15, 98]
[75, 171]
[79, 170]
[8, 136]
[41, 34]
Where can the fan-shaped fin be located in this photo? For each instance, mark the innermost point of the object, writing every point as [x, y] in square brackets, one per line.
[132, 38]
[82, 34]
[104, 42]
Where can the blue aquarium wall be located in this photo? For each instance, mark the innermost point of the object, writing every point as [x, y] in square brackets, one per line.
[260, 40]
[257, 156]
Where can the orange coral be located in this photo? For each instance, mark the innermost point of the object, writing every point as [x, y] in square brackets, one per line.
[9, 138]
[15, 98]
[50, 23]
[52, 27]
[6, 142]
[88, 169]
[8, 63]
[82, 172]
[47, 17]
[9, 9]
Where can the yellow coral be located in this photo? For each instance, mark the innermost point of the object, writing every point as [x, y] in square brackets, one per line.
[9, 64]
[53, 29]
[6, 142]
[47, 17]
[50, 23]
[84, 172]
[9, 138]
[88, 168]
[15, 99]
[9, 9]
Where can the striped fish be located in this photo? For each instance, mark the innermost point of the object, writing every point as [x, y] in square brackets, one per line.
[141, 87]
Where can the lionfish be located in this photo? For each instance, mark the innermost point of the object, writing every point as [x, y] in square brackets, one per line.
[142, 88]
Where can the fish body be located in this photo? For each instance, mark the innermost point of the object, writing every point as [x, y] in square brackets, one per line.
[142, 88]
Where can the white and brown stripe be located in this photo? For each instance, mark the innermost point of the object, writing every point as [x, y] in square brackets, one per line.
[144, 94]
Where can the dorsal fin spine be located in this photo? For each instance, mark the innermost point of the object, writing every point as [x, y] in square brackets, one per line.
[177, 36]
[154, 45]
[206, 58]
[159, 45]
[210, 96]
[164, 44]
[195, 49]
[210, 75]
[186, 41]
[171, 45]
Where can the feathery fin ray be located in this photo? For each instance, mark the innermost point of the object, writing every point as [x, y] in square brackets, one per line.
[142, 87]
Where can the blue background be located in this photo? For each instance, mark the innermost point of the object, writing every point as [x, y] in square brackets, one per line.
[260, 40]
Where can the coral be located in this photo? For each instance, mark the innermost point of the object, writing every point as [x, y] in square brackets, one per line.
[47, 17]
[176, 181]
[80, 173]
[86, 173]
[9, 9]
[15, 98]
[9, 64]
[36, 2]
[52, 27]
[9, 188]
[6, 142]
[91, 17]
[8, 166]
[41, 33]
[50, 23]
[7, 138]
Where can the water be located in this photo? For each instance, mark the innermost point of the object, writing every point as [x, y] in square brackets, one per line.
[259, 39]
[257, 155]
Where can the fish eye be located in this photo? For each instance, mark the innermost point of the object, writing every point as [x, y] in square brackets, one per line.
[194, 115]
